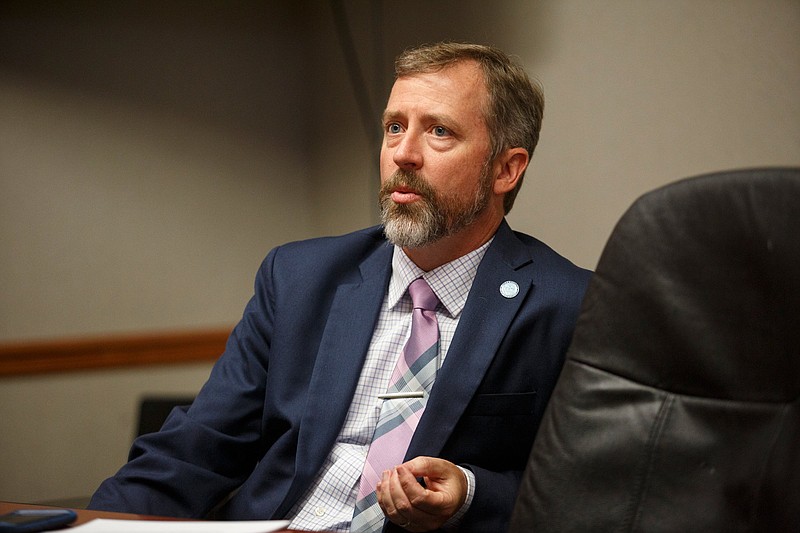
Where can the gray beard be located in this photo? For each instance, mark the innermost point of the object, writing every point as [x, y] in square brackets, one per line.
[430, 219]
[411, 228]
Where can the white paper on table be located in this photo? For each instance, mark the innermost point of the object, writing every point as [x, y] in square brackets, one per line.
[105, 525]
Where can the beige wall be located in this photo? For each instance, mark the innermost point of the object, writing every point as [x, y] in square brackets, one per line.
[642, 93]
[149, 160]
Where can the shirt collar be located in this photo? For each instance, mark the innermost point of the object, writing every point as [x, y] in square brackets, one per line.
[450, 282]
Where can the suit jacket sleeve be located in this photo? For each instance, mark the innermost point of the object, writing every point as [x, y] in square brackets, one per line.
[214, 445]
[263, 423]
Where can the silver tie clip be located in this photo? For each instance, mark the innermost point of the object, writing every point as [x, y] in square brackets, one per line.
[397, 395]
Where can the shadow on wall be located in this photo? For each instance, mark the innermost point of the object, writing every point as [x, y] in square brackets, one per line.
[211, 62]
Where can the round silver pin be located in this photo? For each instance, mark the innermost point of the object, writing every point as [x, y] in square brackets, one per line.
[509, 289]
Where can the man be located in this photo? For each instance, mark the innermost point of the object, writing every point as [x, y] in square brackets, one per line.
[284, 426]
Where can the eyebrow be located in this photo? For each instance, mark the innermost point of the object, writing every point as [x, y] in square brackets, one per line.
[446, 120]
[389, 115]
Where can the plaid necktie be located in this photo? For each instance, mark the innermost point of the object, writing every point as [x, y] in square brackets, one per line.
[402, 407]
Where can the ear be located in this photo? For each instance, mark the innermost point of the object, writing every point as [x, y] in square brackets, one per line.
[509, 166]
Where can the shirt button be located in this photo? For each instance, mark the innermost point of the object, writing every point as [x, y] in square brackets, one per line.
[319, 511]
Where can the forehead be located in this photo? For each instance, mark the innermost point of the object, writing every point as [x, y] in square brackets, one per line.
[457, 89]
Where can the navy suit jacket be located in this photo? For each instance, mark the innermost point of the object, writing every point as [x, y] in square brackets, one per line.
[275, 401]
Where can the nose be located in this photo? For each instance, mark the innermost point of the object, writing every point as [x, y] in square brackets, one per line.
[408, 153]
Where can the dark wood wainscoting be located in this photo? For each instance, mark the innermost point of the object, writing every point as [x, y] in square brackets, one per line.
[63, 355]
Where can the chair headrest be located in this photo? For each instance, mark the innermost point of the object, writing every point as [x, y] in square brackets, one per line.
[698, 289]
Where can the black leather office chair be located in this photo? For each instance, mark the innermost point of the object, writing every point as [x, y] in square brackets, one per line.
[678, 408]
[154, 410]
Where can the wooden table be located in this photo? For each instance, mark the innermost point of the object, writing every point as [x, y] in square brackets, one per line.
[86, 515]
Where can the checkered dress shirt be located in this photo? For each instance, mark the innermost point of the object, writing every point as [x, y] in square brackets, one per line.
[328, 504]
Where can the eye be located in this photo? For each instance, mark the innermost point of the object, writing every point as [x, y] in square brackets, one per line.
[393, 128]
[440, 131]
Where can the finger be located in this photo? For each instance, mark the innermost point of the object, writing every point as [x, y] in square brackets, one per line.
[384, 495]
[393, 502]
[422, 466]
[445, 490]
[410, 484]
[430, 498]
[430, 467]
[397, 493]
[407, 493]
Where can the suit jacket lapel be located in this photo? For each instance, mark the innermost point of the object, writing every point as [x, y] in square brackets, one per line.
[482, 327]
[341, 354]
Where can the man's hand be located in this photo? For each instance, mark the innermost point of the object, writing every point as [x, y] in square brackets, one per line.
[422, 508]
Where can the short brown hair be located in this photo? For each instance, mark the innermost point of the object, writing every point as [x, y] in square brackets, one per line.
[515, 106]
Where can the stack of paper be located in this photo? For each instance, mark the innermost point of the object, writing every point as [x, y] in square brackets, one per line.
[103, 525]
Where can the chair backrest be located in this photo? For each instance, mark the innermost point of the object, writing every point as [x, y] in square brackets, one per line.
[678, 408]
[154, 410]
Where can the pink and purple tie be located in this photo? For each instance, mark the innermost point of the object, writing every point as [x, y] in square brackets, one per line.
[403, 404]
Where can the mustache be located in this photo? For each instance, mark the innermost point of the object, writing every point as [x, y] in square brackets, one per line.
[410, 179]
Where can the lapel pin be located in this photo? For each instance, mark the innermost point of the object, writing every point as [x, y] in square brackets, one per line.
[509, 289]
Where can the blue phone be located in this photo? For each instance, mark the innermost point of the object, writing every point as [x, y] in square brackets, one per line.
[32, 520]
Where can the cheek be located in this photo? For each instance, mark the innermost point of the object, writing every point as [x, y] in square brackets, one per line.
[386, 164]
[459, 182]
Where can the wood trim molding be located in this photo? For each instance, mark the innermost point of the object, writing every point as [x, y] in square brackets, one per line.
[64, 355]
